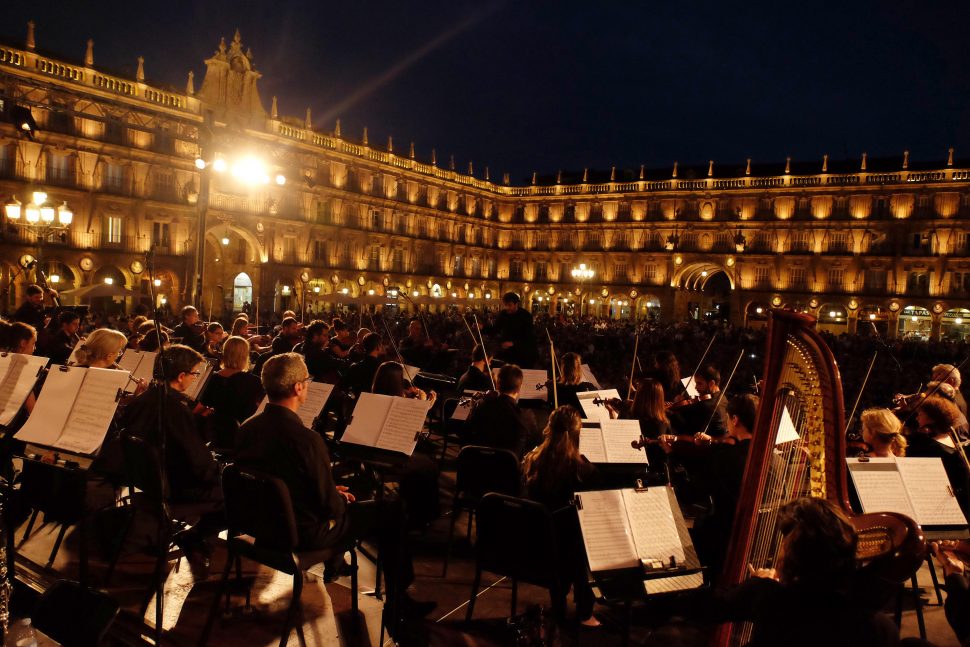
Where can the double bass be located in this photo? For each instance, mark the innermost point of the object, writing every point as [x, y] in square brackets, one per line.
[801, 376]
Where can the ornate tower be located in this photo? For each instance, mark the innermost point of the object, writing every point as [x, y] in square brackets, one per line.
[229, 87]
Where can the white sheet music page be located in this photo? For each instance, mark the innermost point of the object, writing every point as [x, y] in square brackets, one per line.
[929, 490]
[880, 486]
[596, 411]
[606, 531]
[141, 364]
[195, 389]
[618, 438]
[692, 387]
[654, 527]
[588, 375]
[786, 428]
[368, 419]
[461, 412]
[591, 445]
[404, 422]
[530, 379]
[19, 376]
[53, 406]
[316, 398]
[93, 411]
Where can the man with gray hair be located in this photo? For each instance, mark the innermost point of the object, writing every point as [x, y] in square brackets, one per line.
[949, 374]
[276, 442]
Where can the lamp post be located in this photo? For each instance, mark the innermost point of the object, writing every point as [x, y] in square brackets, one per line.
[39, 217]
[582, 274]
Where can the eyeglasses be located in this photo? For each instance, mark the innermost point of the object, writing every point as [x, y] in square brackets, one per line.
[195, 373]
[306, 380]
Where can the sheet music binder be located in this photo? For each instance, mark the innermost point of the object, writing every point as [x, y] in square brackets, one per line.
[197, 387]
[609, 442]
[317, 395]
[18, 375]
[386, 422]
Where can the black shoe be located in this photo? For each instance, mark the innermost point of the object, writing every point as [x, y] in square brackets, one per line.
[197, 552]
[333, 572]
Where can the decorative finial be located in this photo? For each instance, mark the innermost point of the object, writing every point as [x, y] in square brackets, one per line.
[451, 162]
[905, 160]
[613, 174]
[787, 165]
[308, 122]
[411, 151]
[89, 54]
[365, 135]
[747, 168]
[434, 157]
[471, 169]
[390, 144]
[237, 38]
[949, 159]
[864, 156]
[222, 46]
[274, 111]
[825, 163]
[710, 168]
[487, 176]
[140, 73]
[336, 129]
[585, 175]
[190, 84]
[559, 177]
[674, 174]
[641, 172]
[30, 35]
[533, 178]
[506, 179]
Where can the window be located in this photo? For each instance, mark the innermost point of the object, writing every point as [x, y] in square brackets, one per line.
[476, 266]
[397, 260]
[160, 234]
[836, 278]
[60, 169]
[874, 279]
[541, 271]
[800, 241]
[114, 230]
[796, 277]
[650, 273]
[515, 270]
[491, 268]
[459, 266]
[163, 185]
[113, 178]
[289, 249]
[620, 272]
[375, 257]
[839, 242]
[920, 243]
[918, 283]
[762, 277]
[320, 251]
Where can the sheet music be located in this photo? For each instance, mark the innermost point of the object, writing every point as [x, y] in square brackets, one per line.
[316, 398]
[530, 378]
[72, 360]
[652, 522]
[19, 376]
[591, 445]
[786, 428]
[368, 418]
[588, 375]
[606, 531]
[141, 364]
[596, 411]
[53, 406]
[93, 411]
[692, 387]
[461, 412]
[674, 583]
[929, 491]
[404, 422]
[195, 390]
[410, 370]
[880, 486]
[618, 436]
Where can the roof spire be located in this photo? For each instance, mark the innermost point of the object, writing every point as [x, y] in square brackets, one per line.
[674, 175]
[487, 177]
[365, 136]
[89, 54]
[747, 168]
[559, 177]
[506, 179]
[190, 84]
[864, 156]
[140, 74]
[434, 157]
[905, 160]
[274, 111]
[949, 159]
[390, 144]
[613, 174]
[788, 165]
[471, 169]
[30, 35]
[451, 162]
[336, 129]
[308, 122]
[533, 178]
[710, 168]
[641, 171]
[585, 175]
[411, 151]
[825, 163]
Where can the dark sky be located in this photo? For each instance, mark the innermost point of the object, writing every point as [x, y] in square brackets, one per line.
[521, 85]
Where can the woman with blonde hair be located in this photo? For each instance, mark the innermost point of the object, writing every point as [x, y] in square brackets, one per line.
[101, 349]
[571, 380]
[882, 431]
[233, 391]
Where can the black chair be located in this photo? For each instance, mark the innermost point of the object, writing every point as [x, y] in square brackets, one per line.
[481, 470]
[59, 493]
[529, 553]
[149, 495]
[451, 430]
[262, 527]
[74, 616]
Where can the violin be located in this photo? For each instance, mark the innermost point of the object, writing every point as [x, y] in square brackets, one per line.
[474, 398]
[686, 402]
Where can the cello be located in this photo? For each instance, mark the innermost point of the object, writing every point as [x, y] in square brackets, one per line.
[802, 378]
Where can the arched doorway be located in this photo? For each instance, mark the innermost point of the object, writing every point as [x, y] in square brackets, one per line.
[242, 292]
[833, 318]
[109, 305]
[756, 315]
[709, 288]
[915, 322]
[956, 324]
[873, 320]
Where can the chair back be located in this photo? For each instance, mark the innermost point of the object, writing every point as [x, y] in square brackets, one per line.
[486, 469]
[73, 615]
[143, 468]
[517, 538]
[259, 505]
[56, 491]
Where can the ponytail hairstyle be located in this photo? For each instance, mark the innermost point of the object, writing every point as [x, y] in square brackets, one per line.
[572, 369]
[884, 424]
[99, 345]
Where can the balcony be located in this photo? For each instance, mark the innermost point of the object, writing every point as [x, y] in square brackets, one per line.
[66, 177]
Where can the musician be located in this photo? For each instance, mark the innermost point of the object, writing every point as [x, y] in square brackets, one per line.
[19, 337]
[497, 420]
[190, 331]
[360, 376]
[134, 324]
[882, 431]
[934, 418]
[61, 343]
[571, 381]
[31, 311]
[240, 327]
[276, 442]
[417, 349]
[475, 378]
[553, 472]
[807, 599]
[949, 374]
[215, 334]
[516, 333]
[693, 419]
[957, 605]
[320, 363]
[357, 351]
[233, 392]
[193, 474]
[340, 342]
[150, 337]
[666, 370]
[389, 380]
[101, 349]
[288, 337]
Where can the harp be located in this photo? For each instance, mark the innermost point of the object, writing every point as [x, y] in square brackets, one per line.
[802, 384]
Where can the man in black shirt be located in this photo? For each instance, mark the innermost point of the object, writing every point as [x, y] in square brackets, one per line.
[475, 378]
[497, 421]
[693, 419]
[61, 344]
[288, 338]
[189, 331]
[516, 333]
[31, 311]
[360, 376]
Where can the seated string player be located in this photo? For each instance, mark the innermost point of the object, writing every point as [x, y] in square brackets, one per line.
[341, 341]
[18, 337]
[882, 431]
[360, 375]
[62, 342]
[498, 421]
[288, 337]
[708, 414]
[475, 378]
[314, 351]
[233, 392]
[949, 374]
[934, 418]
[276, 442]
[215, 335]
[31, 311]
[666, 370]
[190, 331]
[357, 351]
[571, 381]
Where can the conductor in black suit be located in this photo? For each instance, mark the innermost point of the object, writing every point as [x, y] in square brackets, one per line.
[516, 333]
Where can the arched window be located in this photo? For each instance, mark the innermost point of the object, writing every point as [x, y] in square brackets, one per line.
[242, 291]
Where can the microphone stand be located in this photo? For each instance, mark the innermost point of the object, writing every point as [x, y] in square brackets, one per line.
[161, 379]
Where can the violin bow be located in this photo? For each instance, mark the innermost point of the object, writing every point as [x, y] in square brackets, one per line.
[939, 385]
[552, 353]
[721, 392]
[858, 398]
[633, 366]
[690, 380]
[958, 445]
[481, 340]
[400, 359]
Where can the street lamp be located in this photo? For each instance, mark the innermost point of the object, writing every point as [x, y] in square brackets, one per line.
[39, 217]
[582, 274]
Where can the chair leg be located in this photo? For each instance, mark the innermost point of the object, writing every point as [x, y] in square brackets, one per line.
[471, 600]
[30, 526]
[159, 598]
[249, 590]
[214, 609]
[515, 597]
[936, 581]
[354, 604]
[126, 528]
[57, 544]
[918, 603]
[451, 539]
[292, 612]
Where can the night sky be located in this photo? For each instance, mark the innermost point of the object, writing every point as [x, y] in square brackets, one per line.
[520, 85]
